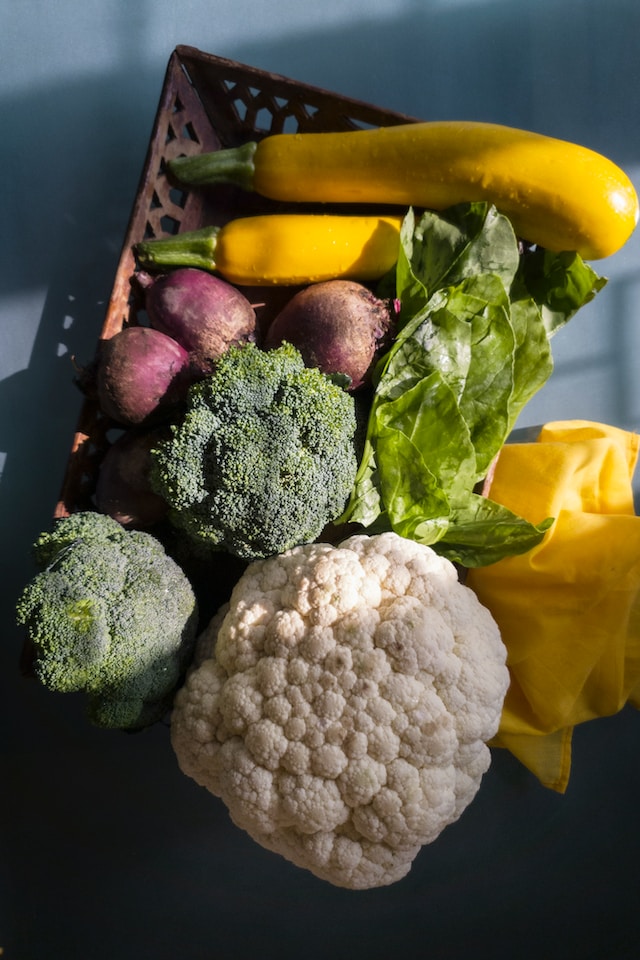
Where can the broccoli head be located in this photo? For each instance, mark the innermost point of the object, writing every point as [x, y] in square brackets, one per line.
[111, 614]
[263, 457]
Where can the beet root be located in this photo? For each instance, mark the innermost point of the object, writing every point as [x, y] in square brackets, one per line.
[141, 373]
[339, 326]
[202, 312]
[123, 488]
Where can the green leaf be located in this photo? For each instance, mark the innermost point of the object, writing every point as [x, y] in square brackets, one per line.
[365, 502]
[416, 505]
[445, 248]
[533, 360]
[482, 532]
[560, 283]
[429, 416]
[482, 303]
[410, 289]
[468, 337]
[472, 348]
[442, 341]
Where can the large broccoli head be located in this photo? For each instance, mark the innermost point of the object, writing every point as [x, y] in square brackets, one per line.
[109, 613]
[264, 456]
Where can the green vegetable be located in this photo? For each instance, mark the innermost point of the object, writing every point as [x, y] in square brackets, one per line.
[111, 614]
[472, 349]
[264, 456]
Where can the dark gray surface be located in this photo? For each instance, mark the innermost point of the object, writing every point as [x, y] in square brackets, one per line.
[107, 850]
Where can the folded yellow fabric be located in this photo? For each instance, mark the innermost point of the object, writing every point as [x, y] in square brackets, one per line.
[569, 609]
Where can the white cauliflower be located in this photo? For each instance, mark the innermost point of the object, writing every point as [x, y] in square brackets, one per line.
[340, 705]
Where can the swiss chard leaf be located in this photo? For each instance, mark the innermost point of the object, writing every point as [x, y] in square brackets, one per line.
[443, 249]
[482, 303]
[467, 336]
[482, 531]
[533, 360]
[365, 503]
[472, 348]
[429, 416]
[416, 504]
[560, 283]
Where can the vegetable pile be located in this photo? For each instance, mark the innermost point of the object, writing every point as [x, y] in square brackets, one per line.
[314, 478]
[461, 346]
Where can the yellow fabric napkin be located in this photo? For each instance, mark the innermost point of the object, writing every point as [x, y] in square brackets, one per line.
[569, 609]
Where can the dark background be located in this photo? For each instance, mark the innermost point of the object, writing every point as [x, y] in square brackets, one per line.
[108, 851]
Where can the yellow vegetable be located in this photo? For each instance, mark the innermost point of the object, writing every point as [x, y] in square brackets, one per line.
[284, 248]
[557, 194]
[569, 609]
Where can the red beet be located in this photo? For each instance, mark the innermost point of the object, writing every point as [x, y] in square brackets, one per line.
[123, 489]
[203, 313]
[141, 372]
[338, 326]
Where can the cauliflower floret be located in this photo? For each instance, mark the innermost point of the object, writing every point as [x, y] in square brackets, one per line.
[341, 704]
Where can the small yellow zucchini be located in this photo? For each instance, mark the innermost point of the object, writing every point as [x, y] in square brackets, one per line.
[557, 194]
[283, 248]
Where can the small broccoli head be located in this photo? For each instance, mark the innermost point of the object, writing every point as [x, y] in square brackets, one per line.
[264, 456]
[86, 527]
[111, 614]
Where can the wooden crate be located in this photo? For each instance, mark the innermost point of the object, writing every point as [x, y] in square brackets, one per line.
[206, 103]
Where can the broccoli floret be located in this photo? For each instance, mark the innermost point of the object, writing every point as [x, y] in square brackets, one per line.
[111, 614]
[263, 457]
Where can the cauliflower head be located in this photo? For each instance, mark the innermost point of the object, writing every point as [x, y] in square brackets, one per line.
[341, 702]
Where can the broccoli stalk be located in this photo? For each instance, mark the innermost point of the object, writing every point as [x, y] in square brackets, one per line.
[263, 457]
[111, 614]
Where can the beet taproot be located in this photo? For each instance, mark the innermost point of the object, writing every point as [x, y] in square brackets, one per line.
[201, 312]
[141, 373]
[339, 326]
[123, 488]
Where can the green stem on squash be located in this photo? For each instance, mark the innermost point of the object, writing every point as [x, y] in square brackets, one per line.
[233, 165]
[193, 248]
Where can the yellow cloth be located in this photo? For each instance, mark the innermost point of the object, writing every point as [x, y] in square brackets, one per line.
[569, 609]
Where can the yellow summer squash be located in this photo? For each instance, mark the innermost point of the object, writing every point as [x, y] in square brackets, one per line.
[287, 249]
[557, 194]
